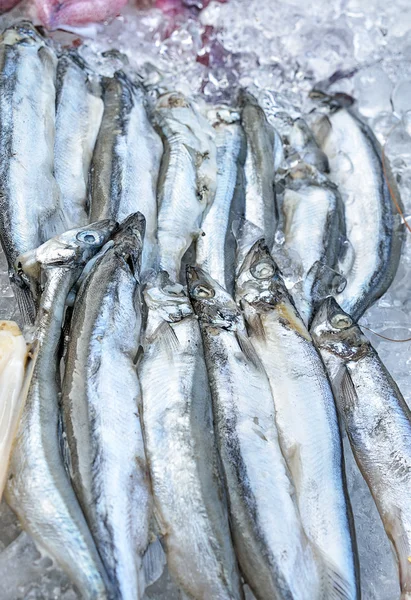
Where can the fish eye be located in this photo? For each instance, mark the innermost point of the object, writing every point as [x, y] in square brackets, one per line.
[341, 321]
[88, 237]
[263, 270]
[203, 291]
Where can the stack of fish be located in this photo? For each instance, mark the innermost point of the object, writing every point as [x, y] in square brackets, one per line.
[183, 398]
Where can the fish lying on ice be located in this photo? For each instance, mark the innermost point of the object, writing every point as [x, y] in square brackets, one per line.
[30, 203]
[275, 557]
[38, 488]
[187, 182]
[101, 406]
[377, 420]
[189, 498]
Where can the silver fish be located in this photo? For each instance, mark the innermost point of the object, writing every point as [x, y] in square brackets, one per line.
[38, 488]
[100, 403]
[314, 235]
[213, 248]
[306, 419]
[188, 177]
[377, 420]
[79, 109]
[30, 208]
[373, 228]
[273, 551]
[126, 161]
[178, 425]
[261, 213]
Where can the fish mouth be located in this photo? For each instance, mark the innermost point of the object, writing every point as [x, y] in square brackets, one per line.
[258, 253]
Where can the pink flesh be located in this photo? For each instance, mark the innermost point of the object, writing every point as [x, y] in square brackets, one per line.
[53, 13]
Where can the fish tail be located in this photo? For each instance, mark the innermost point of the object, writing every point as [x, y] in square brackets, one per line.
[25, 302]
[336, 584]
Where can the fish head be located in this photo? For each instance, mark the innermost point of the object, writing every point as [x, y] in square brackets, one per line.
[167, 299]
[128, 240]
[172, 100]
[334, 331]
[23, 33]
[259, 282]
[212, 303]
[70, 249]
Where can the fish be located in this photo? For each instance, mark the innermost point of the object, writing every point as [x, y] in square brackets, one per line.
[274, 554]
[126, 161]
[16, 366]
[261, 211]
[101, 409]
[30, 203]
[374, 230]
[79, 110]
[306, 419]
[314, 236]
[188, 177]
[215, 244]
[38, 488]
[377, 420]
[189, 498]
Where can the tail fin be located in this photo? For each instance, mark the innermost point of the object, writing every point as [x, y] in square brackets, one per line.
[25, 301]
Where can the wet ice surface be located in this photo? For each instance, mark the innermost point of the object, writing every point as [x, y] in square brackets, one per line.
[281, 46]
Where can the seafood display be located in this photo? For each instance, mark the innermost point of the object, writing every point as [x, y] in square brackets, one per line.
[190, 278]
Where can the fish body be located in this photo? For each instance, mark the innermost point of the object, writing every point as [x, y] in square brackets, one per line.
[100, 403]
[306, 419]
[38, 488]
[260, 213]
[274, 554]
[213, 245]
[79, 109]
[188, 177]
[314, 231]
[373, 228]
[189, 498]
[126, 161]
[14, 356]
[377, 420]
[30, 207]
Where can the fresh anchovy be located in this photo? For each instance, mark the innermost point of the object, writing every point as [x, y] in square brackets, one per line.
[377, 420]
[30, 211]
[100, 402]
[314, 232]
[188, 177]
[178, 425]
[14, 359]
[126, 161]
[260, 200]
[79, 109]
[306, 418]
[38, 488]
[273, 551]
[373, 228]
[214, 244]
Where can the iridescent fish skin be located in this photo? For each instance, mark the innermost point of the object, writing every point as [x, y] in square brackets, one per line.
[306, 419]
[126, 161]
[261, 213]
[189, 497]
[314, 235]
[38, 488]
[30, 203]
[215, 247]
[377, 420]
[274, 554]
[79, 109]
[101, 402]
[373, 226]
[188, 177]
